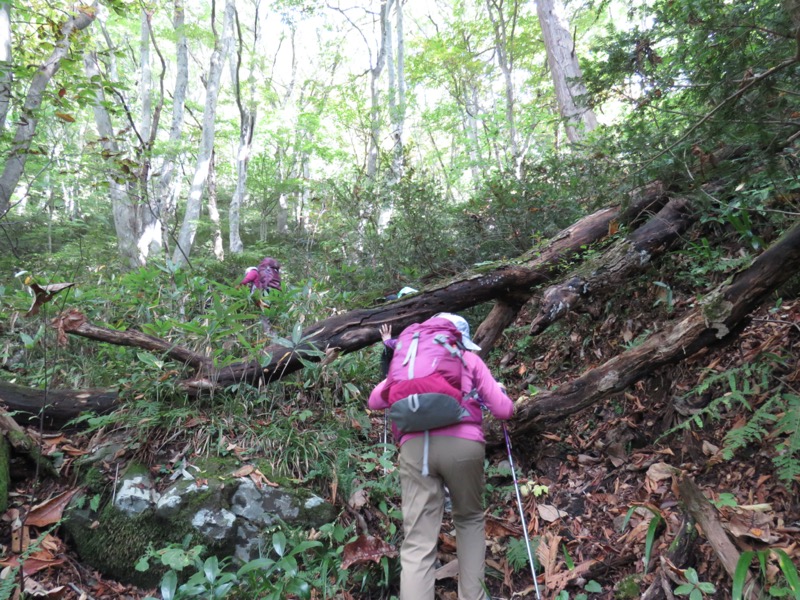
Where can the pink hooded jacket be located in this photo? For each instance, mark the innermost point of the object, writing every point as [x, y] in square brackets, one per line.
[475, 376]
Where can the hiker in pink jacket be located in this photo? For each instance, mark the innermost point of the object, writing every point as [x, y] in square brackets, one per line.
[261, 280]
[455, 457]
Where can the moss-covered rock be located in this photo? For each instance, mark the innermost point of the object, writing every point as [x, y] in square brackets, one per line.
[5, 457]
[628, 588]
[225, 514]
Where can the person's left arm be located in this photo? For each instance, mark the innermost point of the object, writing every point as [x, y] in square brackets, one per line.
[491, 393]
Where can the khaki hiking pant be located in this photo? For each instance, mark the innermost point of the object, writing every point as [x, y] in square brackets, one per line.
[458, 464]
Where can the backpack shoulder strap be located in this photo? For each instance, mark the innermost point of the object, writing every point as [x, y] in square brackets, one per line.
[411, 355]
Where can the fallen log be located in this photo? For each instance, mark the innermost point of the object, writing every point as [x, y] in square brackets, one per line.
[583, 235]
[676, 558]
[626, 258]
[23, 443]
[716, 320]
[358, 329]
[53, 409]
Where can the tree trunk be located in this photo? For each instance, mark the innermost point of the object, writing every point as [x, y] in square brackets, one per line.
[126, 222]
[213, 211]
[169, 185]
[54, 409]
[718, 317]
[357, 329]
[626, 258]
[6, 64]
[373, 147]
[397, 98]
[28, 119]
[247, 123]
[504, 30]
[193, 203]
[716, 320]
[571, 93]
[592, 229]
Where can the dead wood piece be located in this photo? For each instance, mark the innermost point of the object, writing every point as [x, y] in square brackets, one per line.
[569, 244]
[706, 516]
[22, 442]
[677, 556]
[627, 257]
[53, 409]
[74, 322]
[359, 328]
[716, 320]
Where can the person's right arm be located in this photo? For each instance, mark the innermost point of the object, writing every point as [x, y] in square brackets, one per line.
[249, 278]
[376, 400]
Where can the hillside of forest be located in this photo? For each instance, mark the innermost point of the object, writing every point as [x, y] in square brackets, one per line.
[608, 192]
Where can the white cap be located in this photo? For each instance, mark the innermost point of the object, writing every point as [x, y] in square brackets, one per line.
[462, 325]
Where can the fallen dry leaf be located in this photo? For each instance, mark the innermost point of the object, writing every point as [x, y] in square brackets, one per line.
[364, 549]
[661, 471]
[50, 511]
[260, 479]
[243, 471]
[31, 565]
[43, 294]
[358, 499]
[550, 513]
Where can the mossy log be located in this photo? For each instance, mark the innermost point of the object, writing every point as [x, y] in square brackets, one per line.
[24, 444]
[358, 329]
[618, 264]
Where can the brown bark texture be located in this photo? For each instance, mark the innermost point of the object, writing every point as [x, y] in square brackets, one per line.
[53, 409]
[620, 262]
[715, 320]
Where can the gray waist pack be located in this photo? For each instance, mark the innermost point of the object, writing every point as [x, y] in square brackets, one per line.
[420, 412]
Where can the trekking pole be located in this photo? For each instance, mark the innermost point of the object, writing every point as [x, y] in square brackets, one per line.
[385, 439]
[521, 512]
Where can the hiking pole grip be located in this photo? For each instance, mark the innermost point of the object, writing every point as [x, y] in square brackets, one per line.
[521, 511]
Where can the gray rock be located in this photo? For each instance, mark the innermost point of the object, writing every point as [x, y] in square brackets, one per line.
[135, 495]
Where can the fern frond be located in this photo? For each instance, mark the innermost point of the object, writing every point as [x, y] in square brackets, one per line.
[754, 429]
[787, 460]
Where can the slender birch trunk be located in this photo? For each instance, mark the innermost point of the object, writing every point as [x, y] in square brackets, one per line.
[6, 64]
[26, 129]
[123, 209]
[247, 124]
[213, 210]
[504, 31]
[400, 109]
[193, 203]
[374, 94]
[571, 93]
[168, 190]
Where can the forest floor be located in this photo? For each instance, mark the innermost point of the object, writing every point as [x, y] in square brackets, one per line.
[608, 471]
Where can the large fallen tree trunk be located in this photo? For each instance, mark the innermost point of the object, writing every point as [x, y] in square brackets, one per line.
[716, 320]
[358, 329]
[344, 333]
[53, 409]
[626, 258]
[647, 200]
